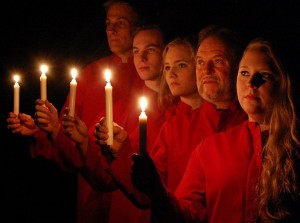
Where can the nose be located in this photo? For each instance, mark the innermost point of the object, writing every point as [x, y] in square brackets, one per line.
[172, 72]
[208, 68]
[142, 55]
[256, 81]
[111, 27]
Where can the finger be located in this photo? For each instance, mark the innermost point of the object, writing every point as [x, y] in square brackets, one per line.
[102, 121]
[51, 107]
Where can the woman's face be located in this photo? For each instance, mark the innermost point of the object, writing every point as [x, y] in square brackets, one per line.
[256, 85]
[180, 71]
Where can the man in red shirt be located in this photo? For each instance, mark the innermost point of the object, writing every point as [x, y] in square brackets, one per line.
[49, 139]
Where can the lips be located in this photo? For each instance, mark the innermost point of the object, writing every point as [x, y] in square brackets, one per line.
[209, 80]
[251, 97]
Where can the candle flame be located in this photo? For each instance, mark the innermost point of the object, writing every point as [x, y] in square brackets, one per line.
[143, 103]
[107, 74]
[44, 69]
[16, 78]
[74, 73]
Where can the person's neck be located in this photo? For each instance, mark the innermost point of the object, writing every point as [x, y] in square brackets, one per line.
[222, 104]
[152, 84]
[263, 122]
[195, 101]
[124, 56]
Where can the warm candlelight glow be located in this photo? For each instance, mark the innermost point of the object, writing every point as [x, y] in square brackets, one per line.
[143, 104]
[43, 82]
[44, 69]
[107, 74]
[73, 86]
[74, 73]
[16, 78]
[143, 126]
[109, 107]
[16, 94]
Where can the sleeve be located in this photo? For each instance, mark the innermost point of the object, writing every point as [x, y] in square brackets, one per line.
[120, 170]
[191, 192]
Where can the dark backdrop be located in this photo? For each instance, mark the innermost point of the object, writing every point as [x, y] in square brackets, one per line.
[72, 33]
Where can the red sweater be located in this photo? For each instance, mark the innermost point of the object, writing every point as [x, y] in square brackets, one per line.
[219, 184]
[90, 106]
[180, 134]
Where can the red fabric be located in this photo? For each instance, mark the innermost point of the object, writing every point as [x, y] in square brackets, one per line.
[220, 178]
[90, 107]
[183, 131]
[180, 134]
[122, 209]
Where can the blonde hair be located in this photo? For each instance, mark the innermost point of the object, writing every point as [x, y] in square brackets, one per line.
[278, 187]
[165, 97]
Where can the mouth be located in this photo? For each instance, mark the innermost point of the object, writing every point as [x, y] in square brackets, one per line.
[209, 80]
[251, 97]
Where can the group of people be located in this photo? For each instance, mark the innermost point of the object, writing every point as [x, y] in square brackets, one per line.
[222, 130]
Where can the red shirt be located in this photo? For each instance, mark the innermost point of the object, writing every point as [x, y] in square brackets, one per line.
[180, 134]
[90, 107]
[98, 167]
[221, 176]
[183, 131]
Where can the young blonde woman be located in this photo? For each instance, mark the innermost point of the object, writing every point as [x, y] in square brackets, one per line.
[249, 173]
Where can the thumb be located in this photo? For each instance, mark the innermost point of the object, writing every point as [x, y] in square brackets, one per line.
[50, 106]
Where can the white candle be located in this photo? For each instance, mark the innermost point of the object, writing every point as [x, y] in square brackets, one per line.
[73, 85]
[109, 107]
[16, 94]
[143, 126]
[43, 82]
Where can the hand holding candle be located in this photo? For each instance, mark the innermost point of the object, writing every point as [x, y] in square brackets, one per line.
[143, 126]
[72, 99]
[109, 107]
[43, 82]
[16, 94]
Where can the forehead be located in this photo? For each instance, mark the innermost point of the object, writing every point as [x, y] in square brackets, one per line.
[146, 37]
[256, 57]
[212, 45]
[118, 11]
[178, 52]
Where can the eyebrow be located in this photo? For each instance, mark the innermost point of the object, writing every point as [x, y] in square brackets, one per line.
[149, 45]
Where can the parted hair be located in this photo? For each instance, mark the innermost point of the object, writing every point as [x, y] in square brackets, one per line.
[279, 184]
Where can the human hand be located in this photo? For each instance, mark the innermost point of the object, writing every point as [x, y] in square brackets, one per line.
[46, 117]
[101, 135]
[145, 176]
[74, 127]
[21, 124]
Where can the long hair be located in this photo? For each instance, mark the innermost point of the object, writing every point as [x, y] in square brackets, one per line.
[278, 189]
[165, 97]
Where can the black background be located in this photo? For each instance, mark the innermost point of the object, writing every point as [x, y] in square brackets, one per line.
[72, 33]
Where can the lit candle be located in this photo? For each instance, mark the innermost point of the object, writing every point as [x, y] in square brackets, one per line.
[73, 85]
[43, 82]
[109, 107]
[16, 94]
[143, 126]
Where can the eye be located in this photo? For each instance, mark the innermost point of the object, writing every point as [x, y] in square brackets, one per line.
[135, 51]
[244, 73]
[151, 50]
[199, 62]
[182, 65]
[167, 68]
[267, 76]
[218, 61]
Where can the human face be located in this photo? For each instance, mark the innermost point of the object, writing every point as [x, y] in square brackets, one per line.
[256, 85]
[180, 71]
[214, 71]
[119, 27]
[147, 53]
